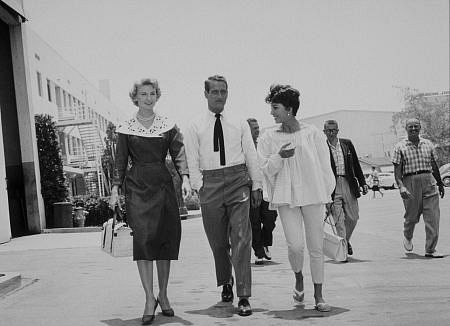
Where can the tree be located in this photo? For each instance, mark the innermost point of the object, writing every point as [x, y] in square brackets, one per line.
[53, 187]
[108, 155]
[433, 113]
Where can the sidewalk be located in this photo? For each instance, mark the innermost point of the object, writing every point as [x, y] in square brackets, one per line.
[69, 281]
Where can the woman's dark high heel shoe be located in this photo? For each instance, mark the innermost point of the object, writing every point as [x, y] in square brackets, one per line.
[167, 312]
[148, 319]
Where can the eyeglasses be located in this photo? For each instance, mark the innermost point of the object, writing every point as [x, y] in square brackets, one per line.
[329, 131]
[217, 92]
[413, 127]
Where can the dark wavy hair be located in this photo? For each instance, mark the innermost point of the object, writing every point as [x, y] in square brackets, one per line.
[285, 95]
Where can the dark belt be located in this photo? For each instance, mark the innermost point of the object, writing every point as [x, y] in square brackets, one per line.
[417, 172]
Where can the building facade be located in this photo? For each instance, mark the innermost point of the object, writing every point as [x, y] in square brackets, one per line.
[20, 200]
[82, 113]
[35, 79]
[372, 132]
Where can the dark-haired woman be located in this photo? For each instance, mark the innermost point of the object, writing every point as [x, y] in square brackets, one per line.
[151, 202]
[298, 182]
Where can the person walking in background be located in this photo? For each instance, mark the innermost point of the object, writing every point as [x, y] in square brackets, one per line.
[375, 179]
[349, 179]
[222, 161]
[151, 202]
[298, 181]
[417, 175]
[262, 218]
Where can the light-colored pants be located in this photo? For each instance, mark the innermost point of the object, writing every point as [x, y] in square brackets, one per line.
[225, 202]
[424, 201]
[345, 209]
[293, 219]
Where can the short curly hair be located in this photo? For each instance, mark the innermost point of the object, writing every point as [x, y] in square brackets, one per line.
[285, 95]
[145, 81]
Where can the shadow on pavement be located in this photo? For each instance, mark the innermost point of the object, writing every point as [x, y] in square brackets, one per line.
[299, 312]
[159, 320]
[221, 310]
[349, 260]
[266, 263]
[412, 255]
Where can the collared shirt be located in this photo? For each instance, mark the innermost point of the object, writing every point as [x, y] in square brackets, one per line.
[338, 157]
[239, 148]
[414, 158]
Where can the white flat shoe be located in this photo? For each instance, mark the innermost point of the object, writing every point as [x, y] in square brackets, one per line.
[299, 296]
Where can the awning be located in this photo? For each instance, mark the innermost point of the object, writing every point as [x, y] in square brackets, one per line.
[12, 12]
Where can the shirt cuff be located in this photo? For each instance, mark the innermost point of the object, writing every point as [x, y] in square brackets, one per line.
[256, 185]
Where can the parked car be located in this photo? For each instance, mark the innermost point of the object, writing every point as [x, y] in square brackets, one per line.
[386, 180]
[445, 174]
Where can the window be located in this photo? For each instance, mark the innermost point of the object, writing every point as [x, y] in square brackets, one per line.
[69, 97]
[58, 96]
[64, 99]
[49, 91]
[39, 83]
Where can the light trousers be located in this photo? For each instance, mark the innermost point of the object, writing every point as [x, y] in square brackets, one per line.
[345, 209]
[300, 223]
[425, 202]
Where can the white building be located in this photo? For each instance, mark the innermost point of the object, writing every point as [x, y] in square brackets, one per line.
[371, 132]
[35, 79]
[81, 110]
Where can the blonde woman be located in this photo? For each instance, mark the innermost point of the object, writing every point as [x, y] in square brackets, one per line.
[151, 203]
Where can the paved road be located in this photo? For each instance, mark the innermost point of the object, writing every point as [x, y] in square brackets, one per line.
[69, 281]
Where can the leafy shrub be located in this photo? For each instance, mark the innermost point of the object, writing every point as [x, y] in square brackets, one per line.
[53, 188]
[98, 209]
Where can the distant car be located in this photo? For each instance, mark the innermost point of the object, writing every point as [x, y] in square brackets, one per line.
[387, 180]
[446, 178]
[445, 174]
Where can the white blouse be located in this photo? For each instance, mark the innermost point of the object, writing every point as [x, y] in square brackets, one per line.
[306, 178]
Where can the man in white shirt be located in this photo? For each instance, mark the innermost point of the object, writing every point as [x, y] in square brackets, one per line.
[222, 163]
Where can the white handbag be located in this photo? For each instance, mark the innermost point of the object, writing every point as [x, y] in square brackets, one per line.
[334, 246]
[117, 238]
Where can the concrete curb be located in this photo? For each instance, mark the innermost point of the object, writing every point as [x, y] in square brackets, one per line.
[191, 214]
[9, 282]
[73, 230]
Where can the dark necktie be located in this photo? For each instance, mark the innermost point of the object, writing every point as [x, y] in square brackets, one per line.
[218, 139]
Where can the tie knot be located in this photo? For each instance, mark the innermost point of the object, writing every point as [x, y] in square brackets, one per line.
[218, 115]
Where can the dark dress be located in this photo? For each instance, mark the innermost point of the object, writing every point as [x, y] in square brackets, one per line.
[151, 202]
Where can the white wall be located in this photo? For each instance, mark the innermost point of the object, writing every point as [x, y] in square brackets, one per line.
[5, 228]
[370, 131]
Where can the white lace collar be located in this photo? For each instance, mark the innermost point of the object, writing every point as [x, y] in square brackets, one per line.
[133, 127]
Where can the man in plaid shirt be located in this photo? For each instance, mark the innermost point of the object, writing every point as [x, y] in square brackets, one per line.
[417, 174]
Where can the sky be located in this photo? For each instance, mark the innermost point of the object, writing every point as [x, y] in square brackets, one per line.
[340, 54]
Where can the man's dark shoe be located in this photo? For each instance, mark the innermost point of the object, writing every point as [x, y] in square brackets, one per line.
[227, 293]
[244, 308]
[349, 249]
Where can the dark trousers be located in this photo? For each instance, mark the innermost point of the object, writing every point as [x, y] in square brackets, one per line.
[225, 202]
[263, 223]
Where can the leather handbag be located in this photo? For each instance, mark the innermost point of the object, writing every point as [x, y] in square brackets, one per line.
[117, 237]
[334, 246]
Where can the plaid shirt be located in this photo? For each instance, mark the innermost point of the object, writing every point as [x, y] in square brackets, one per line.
[338, 157]
[414, 158]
